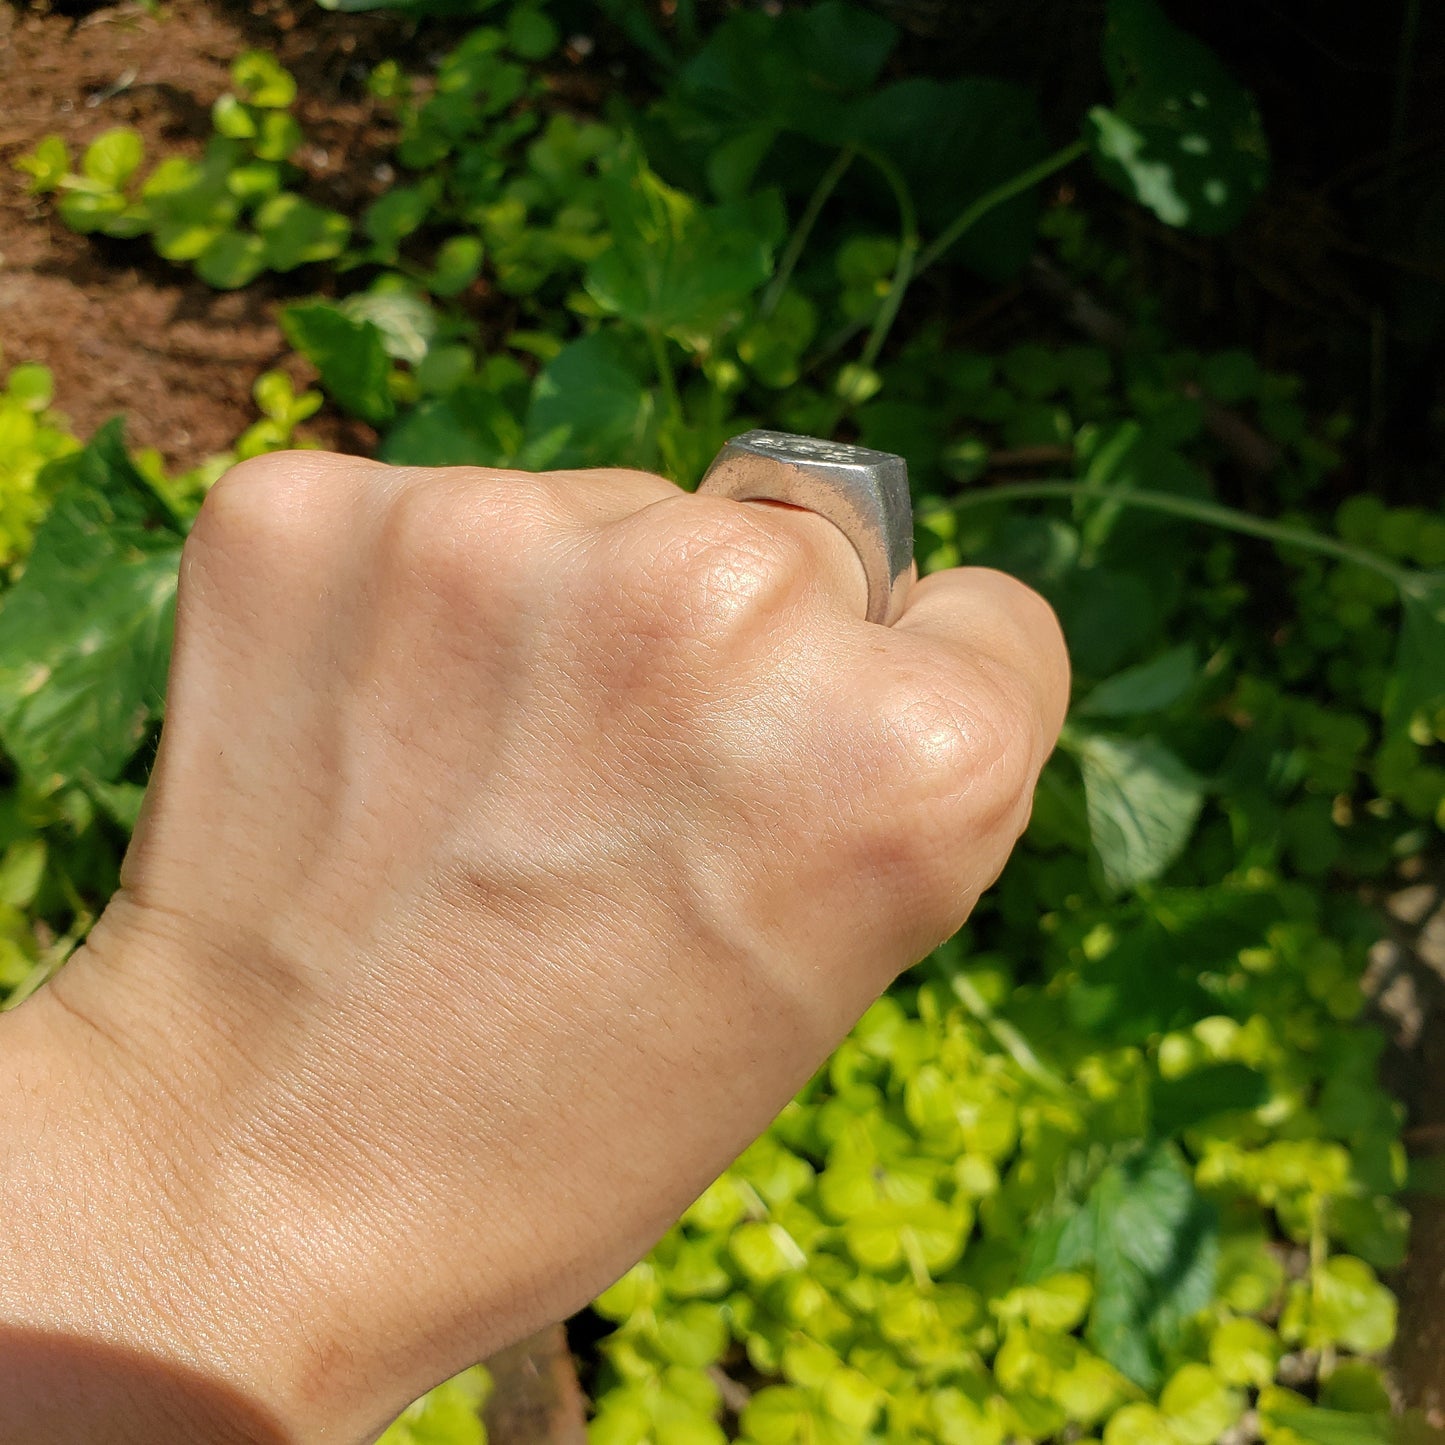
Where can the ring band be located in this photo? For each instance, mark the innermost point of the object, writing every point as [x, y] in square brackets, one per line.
[862, 492]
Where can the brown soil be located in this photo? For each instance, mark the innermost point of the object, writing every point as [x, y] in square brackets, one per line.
[122, 329]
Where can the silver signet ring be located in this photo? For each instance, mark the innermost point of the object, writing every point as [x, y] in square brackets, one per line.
[862, 492]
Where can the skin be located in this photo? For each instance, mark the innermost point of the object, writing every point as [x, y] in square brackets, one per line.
[517, 846]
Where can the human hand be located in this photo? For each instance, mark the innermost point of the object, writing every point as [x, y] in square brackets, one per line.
[517, 846]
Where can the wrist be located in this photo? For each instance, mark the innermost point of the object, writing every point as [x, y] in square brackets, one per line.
[125, 1314]
[186, 1243]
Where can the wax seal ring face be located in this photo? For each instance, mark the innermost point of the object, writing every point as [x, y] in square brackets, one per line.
[862, 492]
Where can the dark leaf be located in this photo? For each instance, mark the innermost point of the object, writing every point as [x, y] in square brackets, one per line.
[953, 141]
[1180, 1104]
[1149, 687]
[468, 427]
[1419, 677]
[1183, 137]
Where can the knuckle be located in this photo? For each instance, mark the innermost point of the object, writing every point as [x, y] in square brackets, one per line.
[711, 571]
[268, 508]
[461, 534]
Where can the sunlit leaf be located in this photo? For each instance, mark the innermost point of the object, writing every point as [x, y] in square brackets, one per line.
[350, 355]
[1142, 804]
[590, 408]
[85, 635]
[675, 266]
[1149, 687]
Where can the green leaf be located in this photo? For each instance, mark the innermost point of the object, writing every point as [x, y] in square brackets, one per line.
[1245, 1352]
[186, 240]
[1058, 1302]
[1344, 1303]
[677, 267]
[590, 408]
[531, 32]
[1155, 1248]
[349, 354]
[251, 184]
[1337, 1427]
[232, 118]
[1183, 138]
[183, 193]
[113, 157]
[85, 634]
[775, 1415]
[31, 386]
[953, 141]
[22, 869]
[395, 214]
[1153, 1242]
[232, 260]
[401, 313]
[450, 1414]
[758, 75]
[120, 802]
[260, 79]
[1179, 1104]
[1142, 804]
[1149, 687]
[87, 211]
[1199, 1406]
[47, 165]
[458, 263]
[1418, 680]
[772, 347]
[294, 232]
[468, 427]
[277, 136]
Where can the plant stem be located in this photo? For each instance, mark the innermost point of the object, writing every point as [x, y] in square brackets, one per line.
[1005, 191]
[666, 378]
[966, 219]
[1212, 514]
[905, 270]
[827, 184]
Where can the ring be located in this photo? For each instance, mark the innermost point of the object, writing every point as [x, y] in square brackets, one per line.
[862, 492]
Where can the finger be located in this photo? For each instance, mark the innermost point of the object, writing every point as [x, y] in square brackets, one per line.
[976, 612]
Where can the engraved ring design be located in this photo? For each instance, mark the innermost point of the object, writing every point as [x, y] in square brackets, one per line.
[864, 494]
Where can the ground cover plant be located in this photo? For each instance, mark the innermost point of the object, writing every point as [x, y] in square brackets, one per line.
[1113, 1164]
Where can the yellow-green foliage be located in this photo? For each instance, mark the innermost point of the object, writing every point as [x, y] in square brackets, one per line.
[32, 436]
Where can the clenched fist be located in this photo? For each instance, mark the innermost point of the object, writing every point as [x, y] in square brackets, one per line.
[516, 847]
